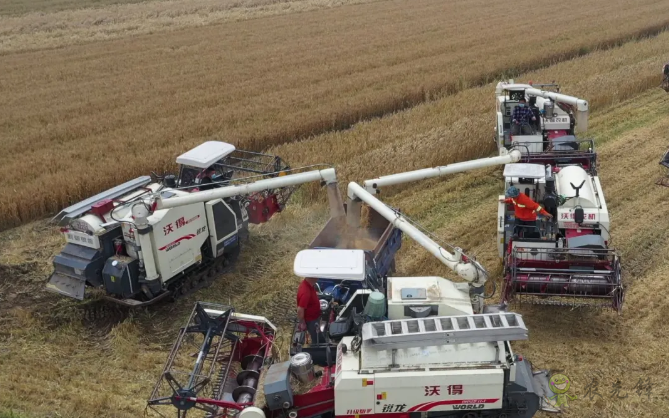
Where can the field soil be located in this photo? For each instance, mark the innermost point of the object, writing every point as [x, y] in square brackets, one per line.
[92, 114]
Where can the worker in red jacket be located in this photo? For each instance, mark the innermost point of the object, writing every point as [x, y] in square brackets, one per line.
[309, 309]
[525, 209]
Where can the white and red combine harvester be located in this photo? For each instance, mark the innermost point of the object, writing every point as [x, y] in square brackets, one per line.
[552, 136]
[567, 259]
[143, 241]
[418, 350]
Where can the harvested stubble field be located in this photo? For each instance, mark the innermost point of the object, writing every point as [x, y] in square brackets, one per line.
[111, 103]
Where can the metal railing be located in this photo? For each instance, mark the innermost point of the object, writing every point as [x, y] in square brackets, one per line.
[580, 152]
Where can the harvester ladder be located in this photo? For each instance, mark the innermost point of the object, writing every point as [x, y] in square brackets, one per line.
[421, 332]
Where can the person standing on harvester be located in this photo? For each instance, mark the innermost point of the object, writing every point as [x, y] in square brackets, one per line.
[525, 209]
[522, 115]
[309, 309]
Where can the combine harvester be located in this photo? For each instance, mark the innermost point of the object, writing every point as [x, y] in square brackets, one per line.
[558, 119]
[565, 260]
[417, 348]
[144, 241]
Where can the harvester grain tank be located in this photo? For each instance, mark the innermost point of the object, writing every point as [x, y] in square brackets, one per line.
[346, 258]
[143, 241]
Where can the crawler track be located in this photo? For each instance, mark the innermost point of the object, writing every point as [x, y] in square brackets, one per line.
[103, 314]
[204, 276]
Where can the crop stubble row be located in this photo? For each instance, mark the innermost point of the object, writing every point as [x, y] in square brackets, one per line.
[39, 24]
[77, 120]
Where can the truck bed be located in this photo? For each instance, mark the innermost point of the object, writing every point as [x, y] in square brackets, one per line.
[376, 235]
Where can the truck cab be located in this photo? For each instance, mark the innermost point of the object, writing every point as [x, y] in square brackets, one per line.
[340, 272]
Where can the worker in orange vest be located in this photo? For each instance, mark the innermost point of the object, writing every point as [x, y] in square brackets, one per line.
[525, 209]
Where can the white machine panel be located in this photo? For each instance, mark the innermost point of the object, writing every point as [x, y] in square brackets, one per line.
[81, 238]
[443, 390]
[425, 390]
[501, 223]
[354, 392]
[434, 356]
[590, 218]
[177, 236]
[331, 264]
[528, 143]
[524, 170]
[205, 154]
[447, 297]
[130, 239]
[559, 120]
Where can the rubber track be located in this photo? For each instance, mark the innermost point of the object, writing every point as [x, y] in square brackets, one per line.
[102, 315]
[205, 276]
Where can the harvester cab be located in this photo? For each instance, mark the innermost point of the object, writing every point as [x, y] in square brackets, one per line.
[141, 242]
[220, 164]
[564, 260]
[558, 118]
